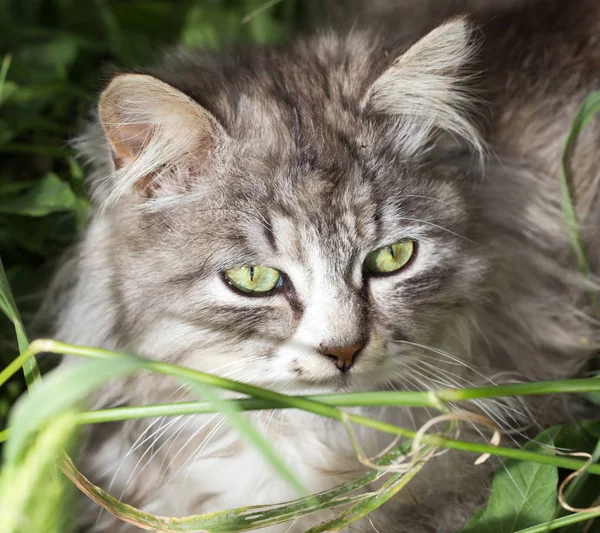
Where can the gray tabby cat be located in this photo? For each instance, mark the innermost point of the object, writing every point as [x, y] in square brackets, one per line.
[353, 212]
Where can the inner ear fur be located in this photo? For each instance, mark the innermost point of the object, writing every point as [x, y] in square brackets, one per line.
[428, 87]
[158, 136]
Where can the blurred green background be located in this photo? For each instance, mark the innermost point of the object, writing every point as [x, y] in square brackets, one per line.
[56, 55]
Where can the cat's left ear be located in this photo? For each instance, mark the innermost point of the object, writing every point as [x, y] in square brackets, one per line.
[427, 87]
[161, 140]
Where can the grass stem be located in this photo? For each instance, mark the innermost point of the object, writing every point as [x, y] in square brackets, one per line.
[317, 407]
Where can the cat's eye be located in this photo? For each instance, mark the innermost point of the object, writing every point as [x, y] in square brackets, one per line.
[389, 258]
[255, 280]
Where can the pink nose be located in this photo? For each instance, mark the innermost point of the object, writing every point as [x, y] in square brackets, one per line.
[343, 356]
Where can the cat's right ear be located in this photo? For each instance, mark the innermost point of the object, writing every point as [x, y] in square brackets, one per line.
[160, 139]
[427, 88]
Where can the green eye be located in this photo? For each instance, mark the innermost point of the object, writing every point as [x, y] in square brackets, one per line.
[389, 258]
[254, 279]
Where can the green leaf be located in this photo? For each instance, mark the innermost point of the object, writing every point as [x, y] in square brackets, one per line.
[49, 195]
[49, 59]
[523, 493]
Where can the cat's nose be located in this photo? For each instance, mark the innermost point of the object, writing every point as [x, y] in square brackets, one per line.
[343, 356]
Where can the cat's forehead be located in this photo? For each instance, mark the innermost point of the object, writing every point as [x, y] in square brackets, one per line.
[294, 198]
[300, 131]
[295, 211]
[326, 192]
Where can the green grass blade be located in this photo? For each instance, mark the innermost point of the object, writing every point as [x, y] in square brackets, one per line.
[4, 72]
[312, 406]
[362, 509]
[71, 384]
[260, 9]
[14, 366]
[30, 490]
[244, 518]
[9, 308]
[586, 112]
[366, 399]
[569, 520]
[228, 521]
[362, 399]
[7, 302]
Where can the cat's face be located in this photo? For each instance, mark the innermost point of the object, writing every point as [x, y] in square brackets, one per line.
[306, 254]
[310, 236]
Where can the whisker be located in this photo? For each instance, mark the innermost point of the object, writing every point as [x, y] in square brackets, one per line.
[440, 227]
[196, 454]
[187, 442]
[433, 381]
[143, 437]
[484, 406]
[460, 381]
[434, 200]
[448, 355]
[180, 390]
[148, 449]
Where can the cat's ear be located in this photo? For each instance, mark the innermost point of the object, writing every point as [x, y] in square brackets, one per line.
[160, 139]
[427, 86]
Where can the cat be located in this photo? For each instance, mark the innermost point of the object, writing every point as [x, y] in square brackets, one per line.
[354, 211]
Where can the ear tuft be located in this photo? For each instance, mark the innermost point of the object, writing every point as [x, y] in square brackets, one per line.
[427, 87]
[159, 137]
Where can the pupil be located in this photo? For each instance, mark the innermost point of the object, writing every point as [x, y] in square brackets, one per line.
[391, 250]
[251, 273]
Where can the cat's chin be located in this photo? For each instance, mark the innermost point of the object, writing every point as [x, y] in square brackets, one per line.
[330, 385]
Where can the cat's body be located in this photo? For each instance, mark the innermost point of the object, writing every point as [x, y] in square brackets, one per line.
[306, 159]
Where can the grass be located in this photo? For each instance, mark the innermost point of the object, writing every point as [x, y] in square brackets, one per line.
[54, 58]
[586, 112]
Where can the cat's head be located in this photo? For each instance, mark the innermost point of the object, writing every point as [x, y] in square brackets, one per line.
[277, 216]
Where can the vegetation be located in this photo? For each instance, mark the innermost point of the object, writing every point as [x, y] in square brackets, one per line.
[55, 56]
